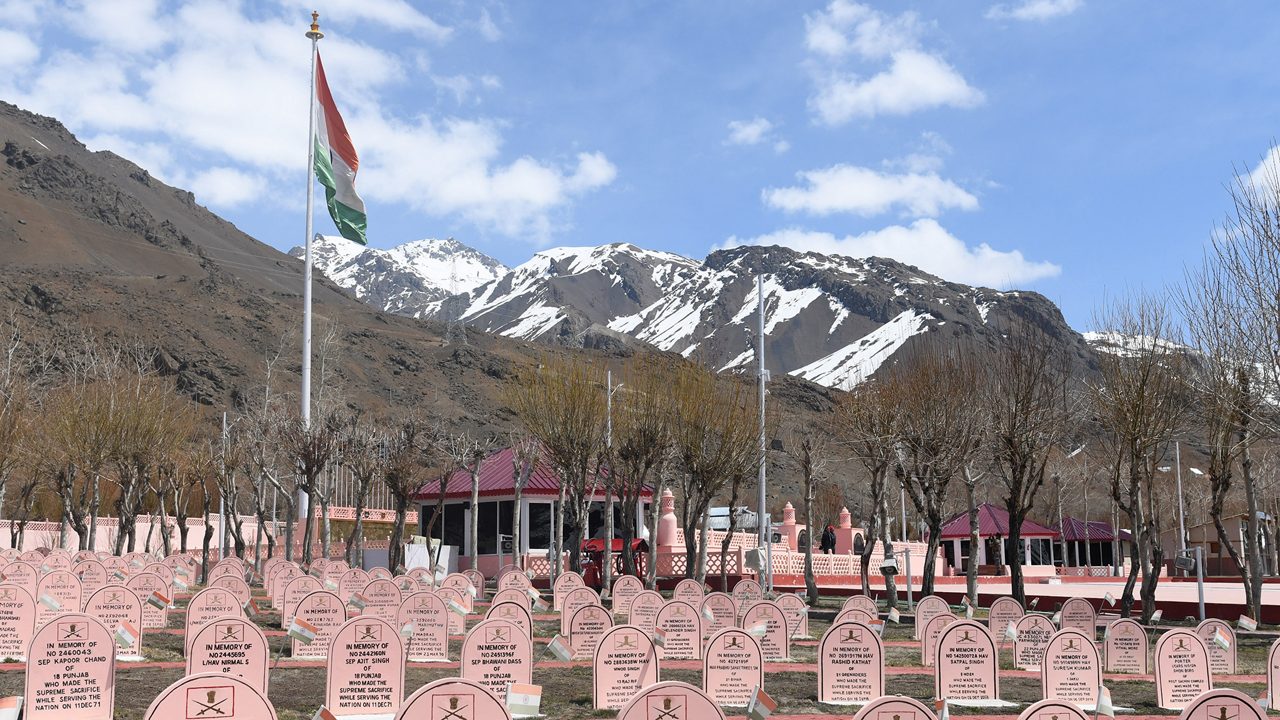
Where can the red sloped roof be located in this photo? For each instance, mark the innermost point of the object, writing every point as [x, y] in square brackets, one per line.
[992, 520]
[498, 479]
[1073, 530]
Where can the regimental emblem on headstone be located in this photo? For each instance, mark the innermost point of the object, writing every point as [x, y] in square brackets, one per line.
[454, 699]
[850, 664]
[626, 641]
[368, 633]
[211, 702]
[671, 701]
[454, 707]
[1223, 704]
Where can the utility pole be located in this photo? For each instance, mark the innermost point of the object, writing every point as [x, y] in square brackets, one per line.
[1182, 512]
[763, 376]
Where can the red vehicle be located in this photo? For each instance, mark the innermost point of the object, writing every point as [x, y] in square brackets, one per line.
[593, 552]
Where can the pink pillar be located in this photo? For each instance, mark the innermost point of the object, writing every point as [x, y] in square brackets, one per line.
[845, 533]
[667, 523]
[790, 530]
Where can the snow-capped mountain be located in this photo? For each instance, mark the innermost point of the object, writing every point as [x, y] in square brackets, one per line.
[832, 320]
[406, 279]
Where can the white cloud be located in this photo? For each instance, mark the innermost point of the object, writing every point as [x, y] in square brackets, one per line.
[923, 243]
[123, 25]
[227, 187]
[487, 28]
[781, 146]
[867, 192]
[16, 49]
[395, 14]
[1034, 10]
[915, 78]
[22, 12]
[754, 132]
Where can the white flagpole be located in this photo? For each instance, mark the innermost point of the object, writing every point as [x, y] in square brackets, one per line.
[303, 502]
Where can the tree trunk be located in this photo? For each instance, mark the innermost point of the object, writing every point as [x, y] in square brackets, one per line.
[1253, 581]
[651, 572]
[890, 583]
[289, 511]
[1015, 562]
[308, 530]
[1062, 537]
[517, 522]
[326, 534]
[204, 551]
[473, 537]
[557, 561]
[971, 566]
[810, 582]
[702, 546]
[395, 547]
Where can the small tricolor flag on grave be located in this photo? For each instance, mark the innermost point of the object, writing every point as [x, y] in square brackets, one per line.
[471, 590]
[707, 614]
[1221, 639]
[529, 573]
[45, 568]
[758, 631]
[117, 575]
[157, 600]
[761, 705]
[302, 631]
[1057, 618]
[330, 585]
[182, 571]
[660, 637]
[357, 601]
[251, 607]
[942, 708]
[407, 630]
[455, 607]
[524, 700]
[50, 602]
[540, 605]
[560, 649]
[1034, 602]
[126, 634]
[323, 714]
[877, 625]
[894, 615]
[1111, 599]
[180, 583]
[135, 563]
[968, 608]
[1104, 706]
[1011, 632]
[1247, 623]
[315, 572]
[1155, 616]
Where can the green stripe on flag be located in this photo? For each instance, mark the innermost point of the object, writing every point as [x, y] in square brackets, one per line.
[352, 223]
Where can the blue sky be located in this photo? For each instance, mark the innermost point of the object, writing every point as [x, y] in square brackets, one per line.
[1074, 147]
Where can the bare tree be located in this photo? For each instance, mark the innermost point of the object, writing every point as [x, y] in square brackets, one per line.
[363, 453]
[641, 441]
[413, 454]
[312, 447]
[525, 454]
[810, 452]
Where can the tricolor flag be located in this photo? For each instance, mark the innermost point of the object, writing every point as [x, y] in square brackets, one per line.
[529, 573]
[540, 605]
[45, 568]
[758, 631]
[135, 563]
[1034, 602]
[1221, 639]
[455, 607]
[877, 625]
[942, 708]
[1247, 623]
[337, 163]
[50, 602]
[1111, 599]
[1103, 706]
[761, 705]
[707, 614]
[251, 607]
[117, 575]
[1057, 618]
[968, 608]
[302, 631]
[330, 585]
[180, 570]
[471, 590]
[524, 700]
[560, 649]
[157, 600]
[357, 601]
[1155, 616]
[1011, 632]
[126, 634]
[180, 583]
[894, 615]
[323, 714]
[660, 637]
[406, 632]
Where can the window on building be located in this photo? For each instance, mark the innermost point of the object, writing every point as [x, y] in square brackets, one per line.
[493, 518]
[541, 522]
[450, 527]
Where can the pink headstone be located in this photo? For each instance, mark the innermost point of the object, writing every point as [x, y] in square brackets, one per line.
[459, 582]
[113, 605]
[274, 567]
[224, 567]
[1071, 671]
[117, 568]
[1051, 709]
[733, 667]
[326, 613]
[144, 584]
[776, 640]
[1034, 632]
[644, 610]
[862, 602]
[1078, 613]
[457, 623]
[296, 589]
[965, 664]
[210, 695]
[454, 699]
[365, 673]
[63, 588]
[1273, 675]
[35, 557]
[929, 636]
[23, 574]
[797, 611]
[17, 621]
[926, 609]
[1223, 704]
[1004, 610]
[625, 663]
[513, 612]
[894, 707]
[56, 560]
[517, 580]
[477, 581]
[283, 575]
[71, 671]
[380, 573]
[745, 593]
[671, 700]
[208, 605]
[512, 595]
[236, 586]
[1125, 647]
[165, 572]
[1182, 669]
[850, 664]
[564, 583]
[230, 646]
[92, 574]
[682, 624]
[423, 577]
[496, 653]
[587, 625]
[331, 577]
[1221, 661]
[79, 557]
[352, 582]
[724, 613]
[407, 585]
[625, 588]
[854, 614]
[690, 591]
[382, 599]
[430, 618]
[573, 599]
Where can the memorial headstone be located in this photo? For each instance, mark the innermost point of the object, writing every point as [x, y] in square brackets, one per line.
[929, 636]
[1033, 636]
[407, 585]
[117, 568]
[208, 605]
[671, 700]
[17, 622]
[459, 582]
[775, 642]
[165, 572]
[512, 595]
[733, 667]
[862, 602]
[365, 674]
[626, 662]
[644, 610]
[496, 653]
[1004, 610]
[723, 611]
[92, 574]
[117, 606]
[573, 599]
[564, 583]
[430, 618]
[929, 606]
[965, 664]
[1051, 709]
[236, 586]
[515, 613]
[77, 558]
[324, 611]
[850, 664]
[283, 575]
[332, 575]
[1071, 671]
[22, 574]
[223, 568]
[682, 625]
[797, 612]
[230, 646]
[56, 560]
[1078, 613]
[1125, 647]
[382, 599]
[746, 592]
[454, 699]
[1216, 633]
[296, 589]
[690, 591]
[1273, 675]
[211, 695]
[477, 581]
[147, 585]
[1223, 704]
[514, 580]
[894, 707]
[380, 573]
[57, 593]
[1181, 664]
[625, 588]
[854, 614]
[352, 582]
[71, 671]
[586, 627]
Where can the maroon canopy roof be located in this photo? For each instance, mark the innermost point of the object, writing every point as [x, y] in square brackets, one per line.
[498, 480]
[992, 520]
[1099, 531]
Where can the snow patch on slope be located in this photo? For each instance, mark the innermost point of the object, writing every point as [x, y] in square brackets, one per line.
[855, 362]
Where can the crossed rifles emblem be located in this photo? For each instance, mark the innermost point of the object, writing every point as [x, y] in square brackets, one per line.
[230, 633]
[667, 712]
[454, 712]
[733, 642]
[71, 631]
[368, 632]
[627, 642]
[212, 705]
[851, 635]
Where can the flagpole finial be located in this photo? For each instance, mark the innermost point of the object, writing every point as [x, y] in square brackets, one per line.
[314, 33]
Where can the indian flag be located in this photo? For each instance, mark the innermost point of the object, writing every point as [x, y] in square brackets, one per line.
[302, 631]
[761, 705]
[126, 634]
[1247, 623]
[524, 700]
[942, 708]
[1221, 639]
[894, 615]
[560, 649]
[337, 163]
[1104, 706]
[157, 600]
